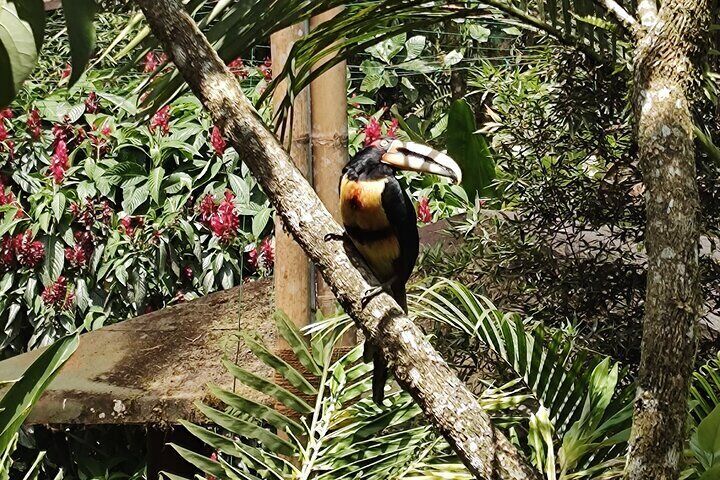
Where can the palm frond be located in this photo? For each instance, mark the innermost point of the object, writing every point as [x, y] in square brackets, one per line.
[322, 424]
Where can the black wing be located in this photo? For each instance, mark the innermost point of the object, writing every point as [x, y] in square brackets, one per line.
[400, 212]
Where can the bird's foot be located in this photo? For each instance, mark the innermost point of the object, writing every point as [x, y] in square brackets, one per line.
[335, 236]
[369, 294]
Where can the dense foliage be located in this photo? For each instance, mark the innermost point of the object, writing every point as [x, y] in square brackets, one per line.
[107, 216]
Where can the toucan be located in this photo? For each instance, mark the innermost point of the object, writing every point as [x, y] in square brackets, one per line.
[380, 220]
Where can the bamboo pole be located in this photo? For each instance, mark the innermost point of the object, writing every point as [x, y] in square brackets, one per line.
[292, 273]
[328, 97]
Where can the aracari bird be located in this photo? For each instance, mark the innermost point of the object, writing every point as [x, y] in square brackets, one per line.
[380, 220]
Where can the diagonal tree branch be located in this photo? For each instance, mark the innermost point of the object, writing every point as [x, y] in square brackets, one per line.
[417, 366]
[626, 20]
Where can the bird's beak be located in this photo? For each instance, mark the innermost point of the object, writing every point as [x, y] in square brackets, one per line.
[421, 158]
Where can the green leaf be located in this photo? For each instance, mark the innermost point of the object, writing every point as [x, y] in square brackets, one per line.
[478, 32]
[58, 205]
[79, 18]
[414, 47]
[268, 388]
[260, 221]
[712, 474]
[470, 151]
[294, 337]
[247, 429]
[386, 49]
[708, 433]
[17, 403]
[202, 462]
[155, 183]
[54, 260]
[135, 198]
[452, 58]
[22, 27]
[295, 378]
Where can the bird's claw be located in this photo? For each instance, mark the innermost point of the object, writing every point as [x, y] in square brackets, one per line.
[334, 236]
[369, 294]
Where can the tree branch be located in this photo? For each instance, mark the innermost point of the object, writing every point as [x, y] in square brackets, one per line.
[418, 368]
[647, 12]
[626, 20]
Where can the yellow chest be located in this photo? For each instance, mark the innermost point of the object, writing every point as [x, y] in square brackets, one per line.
[362, 214]
[361, 204]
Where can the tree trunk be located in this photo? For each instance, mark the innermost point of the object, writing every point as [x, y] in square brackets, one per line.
[328, 97]
[417, 366]
[667, 46]
[292, 271]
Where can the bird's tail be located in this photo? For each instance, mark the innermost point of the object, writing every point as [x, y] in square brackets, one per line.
[380, 368]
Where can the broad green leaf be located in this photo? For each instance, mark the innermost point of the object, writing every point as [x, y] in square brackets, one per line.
[260, 221]
[79, 18]
[386, 49]
[414, 47]
[58, 205]
[708, 433]
[22, 27]
[711, 474]
[478, 32]
[155, 181]
[19, 399]
[54, 260]
[470, 151]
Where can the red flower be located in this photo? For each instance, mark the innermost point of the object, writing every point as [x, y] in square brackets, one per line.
[7, 113]
[76, 256]
[64, 132]
[92, 104]
[237, 67]
[161, 120]
[59, 162]
[11, 149]
[393, 128]
[3, 131]
[188, 272]
[7, 253]
[225, 222]
[56, 295]
[129, 225]
[66, 71]
[424, 214]
[372, 131]
[106, 212]
[106, 130]
[266, 69]
[33, 124]
[217, 141]
[151, 62]
[253, 259]
[267, 249]
[207, 208]
[28, 252]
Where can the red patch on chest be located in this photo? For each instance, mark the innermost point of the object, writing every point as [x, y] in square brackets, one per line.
[355, 197]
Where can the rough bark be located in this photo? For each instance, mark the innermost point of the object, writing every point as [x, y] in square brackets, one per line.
[667, 45]
[417, 366]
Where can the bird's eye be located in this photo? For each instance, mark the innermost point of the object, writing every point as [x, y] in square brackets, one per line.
[385, 143]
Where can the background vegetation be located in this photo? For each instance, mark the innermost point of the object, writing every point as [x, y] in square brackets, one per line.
[110, 211]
